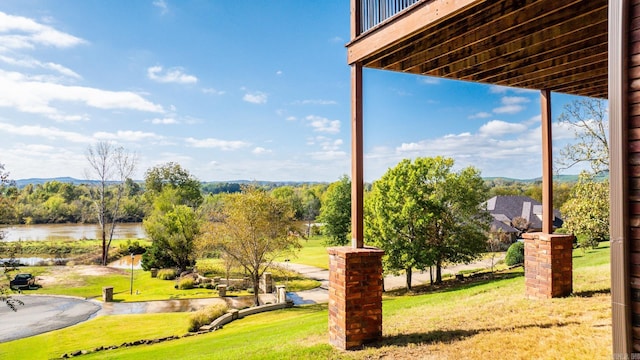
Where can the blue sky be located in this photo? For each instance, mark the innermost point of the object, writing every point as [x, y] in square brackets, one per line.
[255, 90]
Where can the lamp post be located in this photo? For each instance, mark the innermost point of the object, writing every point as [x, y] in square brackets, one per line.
[131, 287]
[286, 282]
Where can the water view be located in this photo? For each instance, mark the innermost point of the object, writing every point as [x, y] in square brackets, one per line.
[42, 232]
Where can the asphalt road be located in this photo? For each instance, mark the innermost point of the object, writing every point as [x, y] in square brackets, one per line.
[41, 314]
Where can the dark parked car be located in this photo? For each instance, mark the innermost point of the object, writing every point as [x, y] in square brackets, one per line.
[23, 281]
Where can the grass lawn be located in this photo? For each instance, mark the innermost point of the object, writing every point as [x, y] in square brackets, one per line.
[313, 252]
[87, 282]
[101, 331]
[484, 319]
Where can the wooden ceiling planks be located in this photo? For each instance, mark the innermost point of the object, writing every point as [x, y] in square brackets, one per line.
[536, 44]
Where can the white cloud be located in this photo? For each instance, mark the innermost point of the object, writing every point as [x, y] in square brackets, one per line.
[480, 115]
[25, 33]
[164, 121]
[127, 135]
[315, 102]
[225, 145]
[330, 149]
[511, 105]
[36, 97]
[497, 147]
[291, 118]
[171, 75]
[496, 89]
[328, 155]
[255, 97]
[50, 133]
[498, 128]
[162, 5]
[213, 91]
[33, 63]
[260, 150]
[429, 80]
[279, 72]
[336, 40]
[322, 124]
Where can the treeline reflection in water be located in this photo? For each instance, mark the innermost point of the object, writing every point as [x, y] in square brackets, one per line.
[48, 232]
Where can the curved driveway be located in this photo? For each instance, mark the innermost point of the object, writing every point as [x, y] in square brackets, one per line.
[41, 314]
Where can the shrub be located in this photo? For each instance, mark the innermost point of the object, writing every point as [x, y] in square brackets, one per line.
[515, 254]
[587, 242]
[186, 283]
[206, 315]
[166, 274]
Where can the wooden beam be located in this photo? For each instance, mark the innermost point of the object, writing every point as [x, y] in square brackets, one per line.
[357, 158]
[618, 176]
[547, 163]
[404, 25]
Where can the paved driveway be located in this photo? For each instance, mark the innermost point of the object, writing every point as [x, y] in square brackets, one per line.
[41, 314]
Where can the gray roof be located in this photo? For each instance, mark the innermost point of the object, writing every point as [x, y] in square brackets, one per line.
[511, 206]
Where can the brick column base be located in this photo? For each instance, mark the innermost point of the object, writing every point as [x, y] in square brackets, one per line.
[355, 296]
[548, 266]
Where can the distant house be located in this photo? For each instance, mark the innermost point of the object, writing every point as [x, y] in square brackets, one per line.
[505, 209]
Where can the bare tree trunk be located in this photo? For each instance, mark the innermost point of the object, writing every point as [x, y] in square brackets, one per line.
[409, 275]
[104, 160]
[431, 275]
[256, 289]
[439, 272]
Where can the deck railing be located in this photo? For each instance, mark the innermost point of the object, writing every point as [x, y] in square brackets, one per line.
[374, 12]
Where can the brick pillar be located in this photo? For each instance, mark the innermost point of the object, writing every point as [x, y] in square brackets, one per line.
[355, 296]
[548, 266]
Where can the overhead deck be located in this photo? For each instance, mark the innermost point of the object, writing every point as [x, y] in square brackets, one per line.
[556, 45]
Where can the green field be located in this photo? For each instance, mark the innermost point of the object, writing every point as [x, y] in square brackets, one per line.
[313, 252]
[483, 319]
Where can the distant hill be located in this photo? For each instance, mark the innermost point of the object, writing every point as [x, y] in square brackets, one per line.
[39, 181]
[271, 184]
[558, 178]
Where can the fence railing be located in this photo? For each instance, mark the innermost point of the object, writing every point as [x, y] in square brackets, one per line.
[374, 12]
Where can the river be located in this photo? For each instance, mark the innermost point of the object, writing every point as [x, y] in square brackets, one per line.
[42, 232]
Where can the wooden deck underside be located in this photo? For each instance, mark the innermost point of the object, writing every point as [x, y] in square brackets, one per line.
[559, 45]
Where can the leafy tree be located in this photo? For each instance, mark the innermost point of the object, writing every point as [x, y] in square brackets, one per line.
[589, 120]
[586, 213]
[108, 163]
[335, 213]
[422, 214]
[5, 291]
[173, 229]
[311, 208]
[290, 195]
[253, 228]
[174, 176]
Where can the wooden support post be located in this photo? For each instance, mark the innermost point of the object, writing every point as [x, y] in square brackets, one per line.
[547, 163]
[621, 243]
[355, 18]
[357, 167]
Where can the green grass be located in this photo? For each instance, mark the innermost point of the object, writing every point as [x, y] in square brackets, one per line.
[145, 288]
[287, 334]
[313, 252]
[474, 320]
[101, 331]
